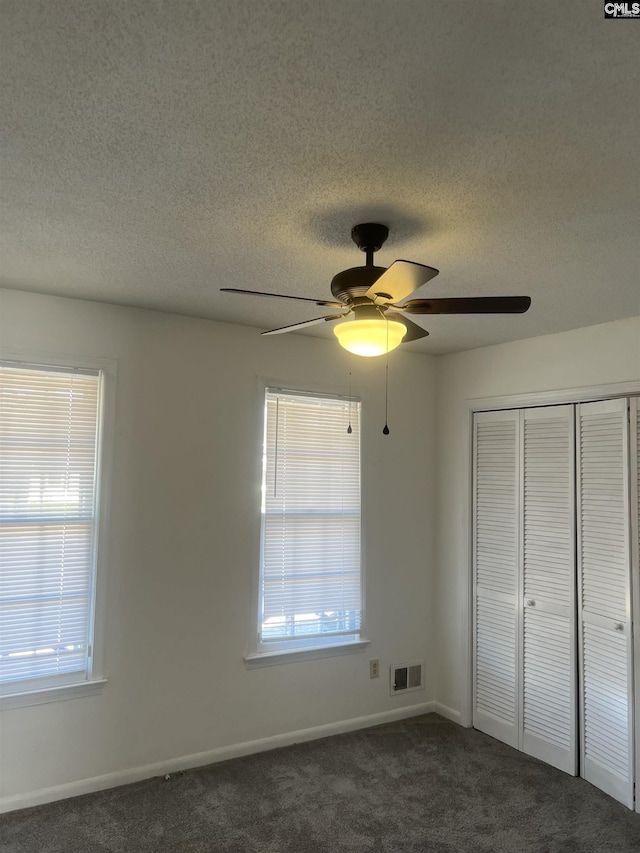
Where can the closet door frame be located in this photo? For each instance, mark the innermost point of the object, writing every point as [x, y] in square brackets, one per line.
[634, 464]
[517, 401]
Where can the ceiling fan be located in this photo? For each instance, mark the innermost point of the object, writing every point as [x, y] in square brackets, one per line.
[373, 322]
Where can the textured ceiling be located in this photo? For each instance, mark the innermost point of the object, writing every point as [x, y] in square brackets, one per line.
[156, 151]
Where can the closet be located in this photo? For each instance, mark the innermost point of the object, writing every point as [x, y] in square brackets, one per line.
[553, 492]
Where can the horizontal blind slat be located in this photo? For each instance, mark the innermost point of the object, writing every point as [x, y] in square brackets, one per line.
[311, 583]
[48, 439]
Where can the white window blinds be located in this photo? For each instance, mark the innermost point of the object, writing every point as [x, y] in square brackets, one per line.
[310, 560]
[48, 440]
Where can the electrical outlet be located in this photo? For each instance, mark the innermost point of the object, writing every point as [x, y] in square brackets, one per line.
[374, 668]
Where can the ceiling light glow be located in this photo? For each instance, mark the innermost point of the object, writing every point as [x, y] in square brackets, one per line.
[370, 337]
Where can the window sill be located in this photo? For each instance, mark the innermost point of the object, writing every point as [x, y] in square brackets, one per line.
[52, 694]
[259, 659]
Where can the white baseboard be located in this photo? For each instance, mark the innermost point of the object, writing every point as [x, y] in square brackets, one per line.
[199, 759]
[449, 713]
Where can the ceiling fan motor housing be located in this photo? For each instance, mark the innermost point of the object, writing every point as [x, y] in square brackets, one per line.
[352, 283]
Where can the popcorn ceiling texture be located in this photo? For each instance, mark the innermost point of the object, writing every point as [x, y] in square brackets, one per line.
[156, 151]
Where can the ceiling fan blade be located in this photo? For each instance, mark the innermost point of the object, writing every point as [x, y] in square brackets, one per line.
[400, 281]
[414, 331]
[469, 305]
[325, 302]
[305, 323]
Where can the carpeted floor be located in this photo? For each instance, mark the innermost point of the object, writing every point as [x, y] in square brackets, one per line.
[422, 785]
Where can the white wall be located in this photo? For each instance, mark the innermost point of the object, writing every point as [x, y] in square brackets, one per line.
[184, 526]
[598, 355]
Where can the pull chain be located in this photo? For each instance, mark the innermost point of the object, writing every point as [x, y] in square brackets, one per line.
[385, 431]
[349, 430]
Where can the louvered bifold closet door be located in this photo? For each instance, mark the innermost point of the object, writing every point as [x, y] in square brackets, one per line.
[496, 578]
[549, 712]
[604, 599]
[634, 457]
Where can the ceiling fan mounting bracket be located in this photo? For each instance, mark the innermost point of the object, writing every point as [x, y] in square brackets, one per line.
[369, 238]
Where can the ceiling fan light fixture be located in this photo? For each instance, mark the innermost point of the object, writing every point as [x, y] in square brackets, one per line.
[370, 293]
[370, 337]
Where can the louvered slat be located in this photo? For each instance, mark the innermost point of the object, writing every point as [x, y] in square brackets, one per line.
[603, 536]
[604, 607]
[606, 702]
[549, 694]
[548, 674]
[496, 574]
[496, 660]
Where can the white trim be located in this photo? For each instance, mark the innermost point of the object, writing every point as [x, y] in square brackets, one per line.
[253, 598]
[587, 393]
[107, 369]
[520, 579]
[364, 598]
[257, 654]
[254, 661]
[105, 457]
[448, 713]
[29, 358]
[468, 644]
[468, 621]
[634, 471]
[52, 694]
[201, 759]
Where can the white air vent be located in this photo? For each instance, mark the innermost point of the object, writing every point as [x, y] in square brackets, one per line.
[406, 677]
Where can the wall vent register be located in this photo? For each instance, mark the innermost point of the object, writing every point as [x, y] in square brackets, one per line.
[405, 677]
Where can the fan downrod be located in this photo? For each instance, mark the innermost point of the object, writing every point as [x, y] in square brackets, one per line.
[369, 238]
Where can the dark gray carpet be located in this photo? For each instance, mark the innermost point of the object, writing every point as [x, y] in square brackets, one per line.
[420, 786]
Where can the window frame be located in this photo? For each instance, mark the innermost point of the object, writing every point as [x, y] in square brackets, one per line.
[41, 691]
[267, 654]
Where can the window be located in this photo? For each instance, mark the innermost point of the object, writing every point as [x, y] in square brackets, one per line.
[310, 578]
[49, 430]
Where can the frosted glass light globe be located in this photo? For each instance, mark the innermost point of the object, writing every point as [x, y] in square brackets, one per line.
[370, 337]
